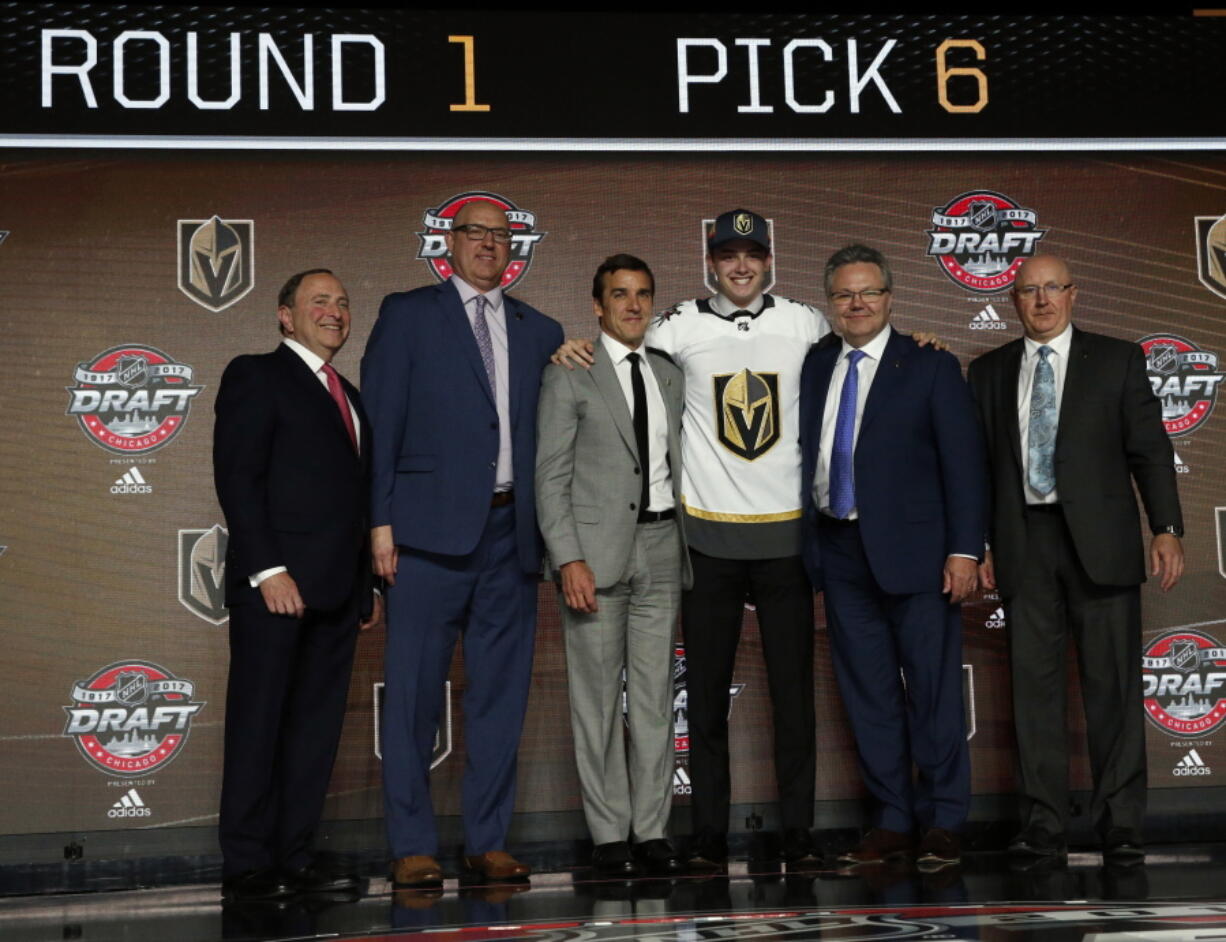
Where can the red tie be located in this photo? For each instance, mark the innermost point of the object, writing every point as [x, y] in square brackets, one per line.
[342, 403]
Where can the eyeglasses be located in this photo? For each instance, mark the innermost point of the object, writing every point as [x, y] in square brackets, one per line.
[1051, 290]
[868, 295]
[477, 232]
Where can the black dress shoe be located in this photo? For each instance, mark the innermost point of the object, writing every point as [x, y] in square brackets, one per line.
[1123, 846]
[614, 860]
[263, 884]
[797, 850]
[708, 853]
[1036, 841]
[658, 857]
[319, 877]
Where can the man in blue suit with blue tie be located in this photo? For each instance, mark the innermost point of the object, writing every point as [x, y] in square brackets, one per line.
[895, 475]
[451, 376]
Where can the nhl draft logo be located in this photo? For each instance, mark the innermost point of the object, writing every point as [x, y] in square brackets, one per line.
[742, 223]
[747, 412]
[1185, 379]
[131, 399]
[216, 260]
[1211, 253]
[524, 236]
[1184, 677]
[131, 718]
[981, 239]
[202, 573]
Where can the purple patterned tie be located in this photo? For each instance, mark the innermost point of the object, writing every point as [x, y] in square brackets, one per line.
[481, 330]
[842, 474]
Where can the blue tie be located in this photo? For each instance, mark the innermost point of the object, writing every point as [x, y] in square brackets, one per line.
[842, 475]
[1041, 447]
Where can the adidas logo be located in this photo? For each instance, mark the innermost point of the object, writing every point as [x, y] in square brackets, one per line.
[129, 806]
[1191, 764]
[681, 782]
[132, 483]
[996, 619]
[1180, 467]
[988, 319]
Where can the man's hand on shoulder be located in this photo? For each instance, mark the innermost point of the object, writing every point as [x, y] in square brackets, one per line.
[574, 353]
[924, 339]
[376, 615]
[579, 586]
[384, 557]
[280, 594]
[1166, 559]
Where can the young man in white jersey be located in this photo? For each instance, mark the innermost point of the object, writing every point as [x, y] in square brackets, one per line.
[742, 352]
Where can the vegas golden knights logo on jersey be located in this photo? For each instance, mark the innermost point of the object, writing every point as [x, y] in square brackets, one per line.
[747, 412]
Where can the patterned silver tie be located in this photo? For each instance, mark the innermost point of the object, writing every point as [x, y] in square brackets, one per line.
[481, 330]
[1041, 450]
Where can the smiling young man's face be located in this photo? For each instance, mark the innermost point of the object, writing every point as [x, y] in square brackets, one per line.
[740, 268]
[319, 316]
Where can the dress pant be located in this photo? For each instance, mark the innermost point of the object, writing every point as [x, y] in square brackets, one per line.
[874, 636]
[487, 597]
[633, 626]
[285, 705]
[1055, 599]
[711, 616]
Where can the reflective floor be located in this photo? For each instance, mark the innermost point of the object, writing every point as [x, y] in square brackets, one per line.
[1179, 893]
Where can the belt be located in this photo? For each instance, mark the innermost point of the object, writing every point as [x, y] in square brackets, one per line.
[825, 520]
[655, 516]
[502, 498]
[1044, 509]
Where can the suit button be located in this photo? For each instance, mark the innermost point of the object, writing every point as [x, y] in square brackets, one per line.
[493, 464]
[632, 506]
[636, 470]
[494, 426]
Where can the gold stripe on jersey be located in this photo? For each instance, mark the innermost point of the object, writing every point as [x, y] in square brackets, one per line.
[720, 517]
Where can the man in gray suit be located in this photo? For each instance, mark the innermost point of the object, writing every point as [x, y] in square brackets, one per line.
[607, 484]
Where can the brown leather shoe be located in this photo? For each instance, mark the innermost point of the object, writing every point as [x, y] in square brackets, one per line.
[419, 870]
[496, 865]
[877, 845]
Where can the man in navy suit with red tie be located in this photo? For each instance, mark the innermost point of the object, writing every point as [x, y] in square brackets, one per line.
[451, 375]
[895, 479]
[291, 467]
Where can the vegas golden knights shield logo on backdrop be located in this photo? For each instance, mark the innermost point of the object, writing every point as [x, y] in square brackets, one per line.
[747, 412]
[202, 573]
[1211, 253]
[216, 260]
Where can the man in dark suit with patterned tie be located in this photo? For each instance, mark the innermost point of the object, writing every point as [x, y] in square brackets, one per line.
[1071, 424]
[291, 467]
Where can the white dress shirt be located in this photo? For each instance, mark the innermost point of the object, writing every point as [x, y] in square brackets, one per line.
[873, 352]
[495, 317]
[660, 487]
[316, 364]
[1058, 359]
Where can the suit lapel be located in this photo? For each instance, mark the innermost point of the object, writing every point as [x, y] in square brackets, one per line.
[821, 385]
[315, 391]
[672, 403]
[519, 356]
[604, 377]
[457, 321]
[1008, 379]
[1075, 383]
[887, 381]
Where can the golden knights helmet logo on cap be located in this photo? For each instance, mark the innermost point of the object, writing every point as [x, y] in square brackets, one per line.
[202, 573]
[743, 223]
[1211, 253]
[747, 412]
[216, 260]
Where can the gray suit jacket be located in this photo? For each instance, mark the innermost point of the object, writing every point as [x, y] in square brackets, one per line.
[587, 461]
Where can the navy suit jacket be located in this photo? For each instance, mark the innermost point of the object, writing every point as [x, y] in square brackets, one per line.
[293, 491]
[920, 472]
[436, 423]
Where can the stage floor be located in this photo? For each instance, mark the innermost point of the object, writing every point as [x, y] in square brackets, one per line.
[1179, 893]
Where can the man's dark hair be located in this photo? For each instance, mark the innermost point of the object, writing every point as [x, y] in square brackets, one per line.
[853, 254]
[616, 263]
[285, 297]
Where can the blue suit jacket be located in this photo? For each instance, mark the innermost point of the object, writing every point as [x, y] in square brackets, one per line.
[920, 471]
[435, 442]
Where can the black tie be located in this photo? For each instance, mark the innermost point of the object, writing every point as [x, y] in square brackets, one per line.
[640, 428]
